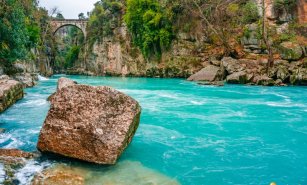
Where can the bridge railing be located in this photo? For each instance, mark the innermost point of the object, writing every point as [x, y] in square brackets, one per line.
[69, 20]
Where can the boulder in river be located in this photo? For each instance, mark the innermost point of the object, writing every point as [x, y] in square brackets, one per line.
[210, 73]
[10, 92]
[237, 78]
[94, 124]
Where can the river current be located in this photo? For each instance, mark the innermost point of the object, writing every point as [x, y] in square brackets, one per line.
[194, 135]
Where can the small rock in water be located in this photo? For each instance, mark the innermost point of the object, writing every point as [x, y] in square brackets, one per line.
[2, 130]
[60, 175]
[94, 124]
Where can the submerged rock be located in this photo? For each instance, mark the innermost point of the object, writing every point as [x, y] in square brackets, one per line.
[124, 173]
[215, 83]
[16, 153]
[210, 73]
[60, 175]
[10, 92]
[93, 124]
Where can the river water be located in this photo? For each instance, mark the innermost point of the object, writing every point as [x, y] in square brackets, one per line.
[188, 133]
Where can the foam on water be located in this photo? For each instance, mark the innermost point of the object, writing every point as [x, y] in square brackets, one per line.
[194, 134]
[2, 173]
[41, 78]
[25, 174]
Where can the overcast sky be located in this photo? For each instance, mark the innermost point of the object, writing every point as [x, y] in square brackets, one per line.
[69, 8]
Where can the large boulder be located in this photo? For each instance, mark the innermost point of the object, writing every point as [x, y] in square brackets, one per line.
[237, 78]
[10, 92]
[299, 77]
[93, 124]
[263, 80]
[290, 51]
[282, 73]
[65, 82]
[232, 65]
[210, 73]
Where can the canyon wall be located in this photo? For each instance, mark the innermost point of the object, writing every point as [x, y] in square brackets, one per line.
[116, 56]
[190, 52]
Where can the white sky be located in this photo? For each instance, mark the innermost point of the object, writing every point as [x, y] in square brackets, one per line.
[69, 8]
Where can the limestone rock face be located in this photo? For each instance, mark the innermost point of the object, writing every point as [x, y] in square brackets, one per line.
[290, 51]
[10, 92]
[210, 73]
[93, 124]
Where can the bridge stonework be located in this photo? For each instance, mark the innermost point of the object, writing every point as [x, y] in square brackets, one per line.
[79, 23]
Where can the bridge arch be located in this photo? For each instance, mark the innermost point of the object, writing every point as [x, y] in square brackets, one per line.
[57, 24]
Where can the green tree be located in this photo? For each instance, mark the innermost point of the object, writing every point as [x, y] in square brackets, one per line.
[150, 26]
[59, 16]
[13, 31]
[81, 16]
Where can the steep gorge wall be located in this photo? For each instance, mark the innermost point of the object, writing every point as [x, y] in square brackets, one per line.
[189, 53]
[117, 56]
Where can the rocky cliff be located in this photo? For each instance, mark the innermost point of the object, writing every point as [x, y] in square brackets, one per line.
[190, 51]
[116, 56]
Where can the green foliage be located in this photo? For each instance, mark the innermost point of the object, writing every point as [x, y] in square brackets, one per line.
[69, 41]
[13, 31]
[81, 16]
[150, 26]
[287, 5]
[59, 16]
[34, 35]
[72, 56]
[104, 18]
[250, 12]
[22, 25]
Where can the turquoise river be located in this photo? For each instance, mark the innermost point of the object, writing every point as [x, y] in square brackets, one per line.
[193, 135]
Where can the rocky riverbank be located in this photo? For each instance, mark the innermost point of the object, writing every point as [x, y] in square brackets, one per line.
[253, 72]
[10, 92]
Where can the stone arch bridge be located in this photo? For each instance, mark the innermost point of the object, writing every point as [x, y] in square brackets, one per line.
[79, 23]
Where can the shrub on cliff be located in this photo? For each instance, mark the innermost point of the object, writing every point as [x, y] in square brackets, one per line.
[149, 25]
[72, 56]
[104, 18]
